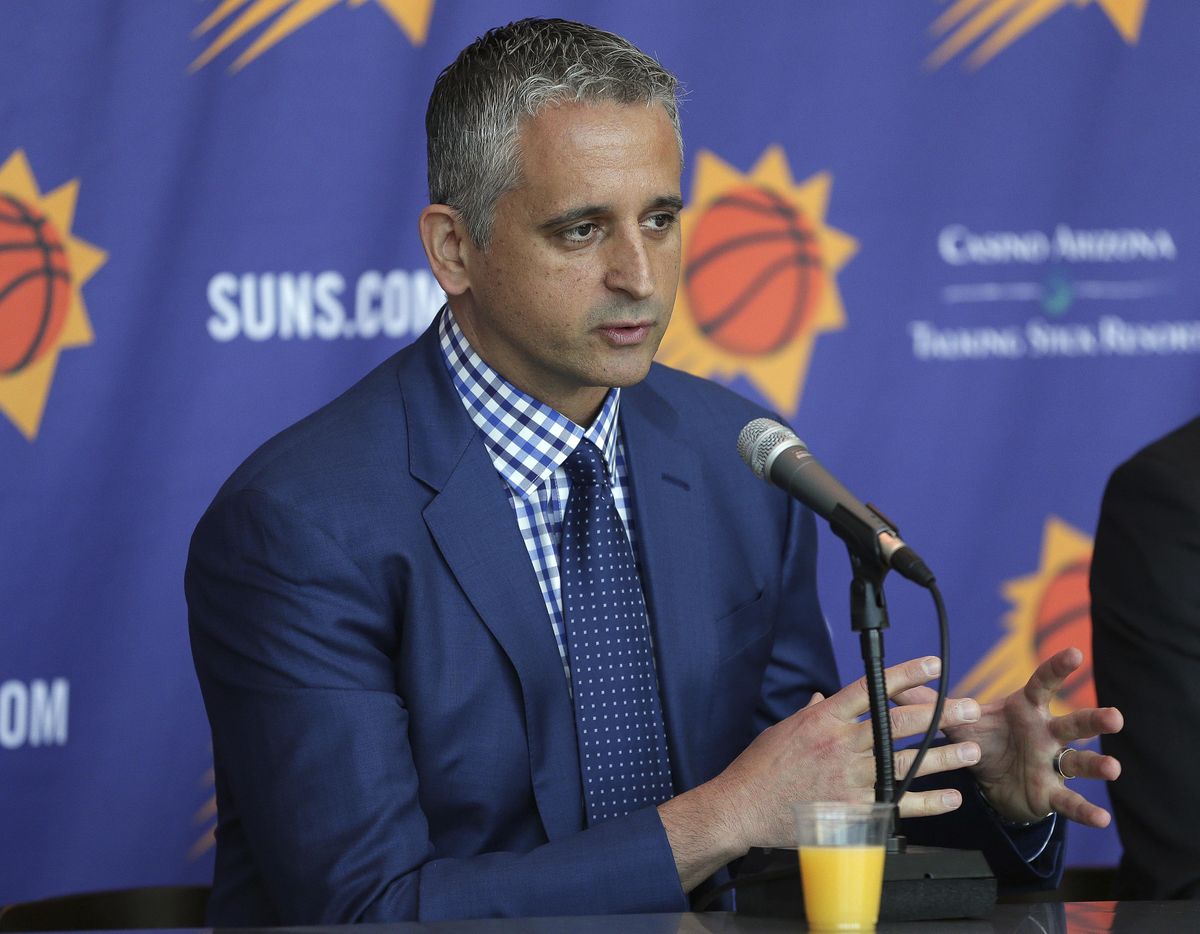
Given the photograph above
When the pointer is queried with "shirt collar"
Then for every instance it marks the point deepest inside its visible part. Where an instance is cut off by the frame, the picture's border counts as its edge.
(526, 439)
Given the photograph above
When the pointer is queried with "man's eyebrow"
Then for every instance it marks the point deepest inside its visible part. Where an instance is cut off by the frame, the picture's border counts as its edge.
(669, 202)
(583, 212)
(573, 216)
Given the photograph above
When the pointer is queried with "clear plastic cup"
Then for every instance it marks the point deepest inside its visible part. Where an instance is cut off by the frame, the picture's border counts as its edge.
(842, 847)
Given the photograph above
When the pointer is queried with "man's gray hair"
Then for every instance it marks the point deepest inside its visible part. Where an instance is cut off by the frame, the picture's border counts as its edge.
(511, 73)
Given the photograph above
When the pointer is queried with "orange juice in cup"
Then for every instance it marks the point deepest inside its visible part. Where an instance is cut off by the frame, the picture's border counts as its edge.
(841, 862)
(842, 885)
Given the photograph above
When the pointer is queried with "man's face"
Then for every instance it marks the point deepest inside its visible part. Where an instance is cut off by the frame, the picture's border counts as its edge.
(575, 289)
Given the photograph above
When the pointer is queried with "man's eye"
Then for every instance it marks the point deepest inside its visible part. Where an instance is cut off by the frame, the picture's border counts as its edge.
(580, 233)
(661, 221)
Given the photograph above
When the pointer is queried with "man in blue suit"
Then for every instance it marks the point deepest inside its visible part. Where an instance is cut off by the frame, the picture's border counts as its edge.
(376, 597)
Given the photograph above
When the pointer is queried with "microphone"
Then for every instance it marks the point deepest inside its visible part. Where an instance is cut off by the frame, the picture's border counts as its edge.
(776, 455)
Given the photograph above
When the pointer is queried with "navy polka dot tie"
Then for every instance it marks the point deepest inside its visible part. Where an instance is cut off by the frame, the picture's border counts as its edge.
(618, 717)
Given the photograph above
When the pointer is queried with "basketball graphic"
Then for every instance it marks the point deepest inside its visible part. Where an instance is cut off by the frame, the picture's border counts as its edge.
(43, 267)
(1063, 618)
(752, 271)
(759, 276)
(34, 285)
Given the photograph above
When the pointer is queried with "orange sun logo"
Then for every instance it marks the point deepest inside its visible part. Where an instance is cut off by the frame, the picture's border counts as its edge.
(42, 268)
(757, 283)
(1051, 610)
(412, 16)
(1003, 22)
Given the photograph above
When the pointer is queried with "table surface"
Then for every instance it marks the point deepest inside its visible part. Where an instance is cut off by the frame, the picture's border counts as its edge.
(1039, 918)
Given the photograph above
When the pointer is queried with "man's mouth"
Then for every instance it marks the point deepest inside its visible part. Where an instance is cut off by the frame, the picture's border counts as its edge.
(626, 333)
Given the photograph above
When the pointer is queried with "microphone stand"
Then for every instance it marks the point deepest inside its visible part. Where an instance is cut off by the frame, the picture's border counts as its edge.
(869, 618)
(920, 883)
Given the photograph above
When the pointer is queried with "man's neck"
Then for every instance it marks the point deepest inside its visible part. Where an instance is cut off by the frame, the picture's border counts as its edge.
(581, 405)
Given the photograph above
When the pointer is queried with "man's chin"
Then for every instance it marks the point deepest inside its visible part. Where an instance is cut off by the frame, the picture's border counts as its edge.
(627, 364)
(629, 373)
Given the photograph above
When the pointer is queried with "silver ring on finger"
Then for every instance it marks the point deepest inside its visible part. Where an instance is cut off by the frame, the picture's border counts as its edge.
(1058, 762)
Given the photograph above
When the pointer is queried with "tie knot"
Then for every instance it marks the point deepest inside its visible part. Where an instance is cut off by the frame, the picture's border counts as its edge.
(585, 465)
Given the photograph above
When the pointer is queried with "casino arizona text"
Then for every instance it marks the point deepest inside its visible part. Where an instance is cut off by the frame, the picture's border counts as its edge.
(960, 246)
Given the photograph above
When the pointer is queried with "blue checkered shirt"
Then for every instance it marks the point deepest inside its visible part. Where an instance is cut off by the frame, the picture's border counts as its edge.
(528, 442)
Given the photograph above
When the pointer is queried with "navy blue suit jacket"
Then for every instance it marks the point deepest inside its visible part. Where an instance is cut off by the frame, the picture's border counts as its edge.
(1145, 581)
(392, 732)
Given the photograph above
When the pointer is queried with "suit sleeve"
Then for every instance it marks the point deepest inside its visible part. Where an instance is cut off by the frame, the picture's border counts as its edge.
(1016, 855)
(293, 647)
(1146, 648)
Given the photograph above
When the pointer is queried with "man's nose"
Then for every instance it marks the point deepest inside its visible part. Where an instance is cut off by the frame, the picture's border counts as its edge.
(629, 268)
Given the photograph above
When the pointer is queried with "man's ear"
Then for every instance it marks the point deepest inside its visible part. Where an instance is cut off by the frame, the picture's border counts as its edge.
(443, 235)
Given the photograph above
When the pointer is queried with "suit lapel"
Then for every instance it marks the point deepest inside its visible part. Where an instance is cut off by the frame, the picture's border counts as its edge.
(669, 496)
(474, 526)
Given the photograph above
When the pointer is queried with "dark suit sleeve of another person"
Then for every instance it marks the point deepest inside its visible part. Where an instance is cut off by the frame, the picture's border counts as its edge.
(1146, 645)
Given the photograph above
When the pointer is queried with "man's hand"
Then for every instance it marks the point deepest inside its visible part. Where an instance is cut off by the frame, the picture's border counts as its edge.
(1019, 737)
(824, 753)
(820, 753)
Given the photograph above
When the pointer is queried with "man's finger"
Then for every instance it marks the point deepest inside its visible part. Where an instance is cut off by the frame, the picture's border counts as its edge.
(852, 701)
(917, 695)
(1083, 763)
(914, 720)
(911, 674)
(910, 721)
(1078, 808)
(1049, 676)
(938, 759)
(929, 803)
(1086, 723)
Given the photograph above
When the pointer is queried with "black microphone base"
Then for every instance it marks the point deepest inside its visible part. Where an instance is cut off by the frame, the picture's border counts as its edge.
(923, 883)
